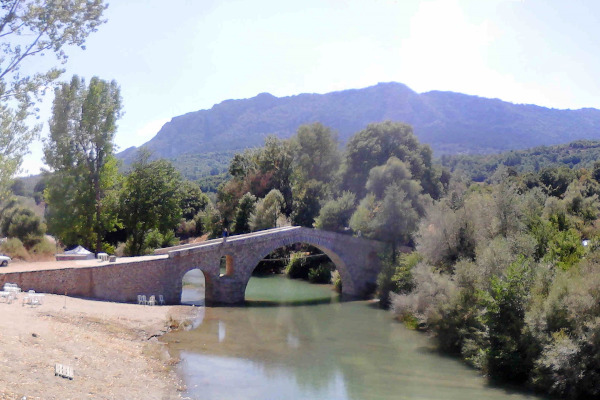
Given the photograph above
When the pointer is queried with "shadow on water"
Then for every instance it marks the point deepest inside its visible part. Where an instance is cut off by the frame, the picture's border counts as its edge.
(292, 303)
(197, 303)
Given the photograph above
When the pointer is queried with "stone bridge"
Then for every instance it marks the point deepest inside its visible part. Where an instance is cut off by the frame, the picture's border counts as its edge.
(355, 258)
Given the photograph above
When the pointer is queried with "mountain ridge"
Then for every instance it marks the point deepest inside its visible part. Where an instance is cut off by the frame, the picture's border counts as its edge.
(451, 122)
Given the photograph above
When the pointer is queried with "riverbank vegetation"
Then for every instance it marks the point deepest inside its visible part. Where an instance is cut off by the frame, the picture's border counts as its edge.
(508, 278)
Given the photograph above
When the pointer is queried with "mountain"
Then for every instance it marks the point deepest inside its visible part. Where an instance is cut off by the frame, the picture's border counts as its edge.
(452, 123)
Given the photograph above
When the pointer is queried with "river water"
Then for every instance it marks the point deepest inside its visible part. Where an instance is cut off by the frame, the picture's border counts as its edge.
(295, 340)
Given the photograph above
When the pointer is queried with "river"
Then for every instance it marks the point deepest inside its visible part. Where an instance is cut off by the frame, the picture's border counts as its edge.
(294, 340)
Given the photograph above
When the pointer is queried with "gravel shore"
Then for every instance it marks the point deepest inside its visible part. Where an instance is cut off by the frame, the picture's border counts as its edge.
(112, 348)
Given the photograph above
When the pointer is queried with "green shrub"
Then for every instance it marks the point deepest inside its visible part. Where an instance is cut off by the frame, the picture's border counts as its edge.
(169, 239)
(44, 248)
(296, 268)
(156, 240)
(321, 274)
(108, 248)
(21, 222)
(337, 281)
(396, 277)
(186, 229)
(15, 249)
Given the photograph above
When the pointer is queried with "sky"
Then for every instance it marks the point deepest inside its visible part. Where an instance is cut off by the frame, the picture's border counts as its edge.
(179, 56)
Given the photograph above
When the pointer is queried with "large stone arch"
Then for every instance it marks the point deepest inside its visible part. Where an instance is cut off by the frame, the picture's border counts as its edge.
(248, 266)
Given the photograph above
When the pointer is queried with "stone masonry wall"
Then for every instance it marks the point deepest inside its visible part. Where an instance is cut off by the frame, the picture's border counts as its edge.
(113, 282)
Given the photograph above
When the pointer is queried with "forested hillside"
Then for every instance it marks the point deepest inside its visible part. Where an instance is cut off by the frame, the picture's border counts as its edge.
(451, 123)
(478, 167)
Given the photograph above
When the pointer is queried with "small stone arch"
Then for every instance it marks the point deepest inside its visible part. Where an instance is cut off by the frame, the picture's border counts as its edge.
(208, 282)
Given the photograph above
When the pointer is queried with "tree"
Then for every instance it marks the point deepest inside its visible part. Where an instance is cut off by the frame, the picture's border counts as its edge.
(258, 172)
(275, 161)
(335, 214)
(17, 221)
(267, 211)
(396, 219)
(316, 153)
(504, 316)
(80, 151)
(393, 171)
(192, 200)
(307, 202)
(374, 145)
(396, 172)
(38, 190)
(362, 218)
(246, 207)
(28, 30)
(150, 200)
(18, 187)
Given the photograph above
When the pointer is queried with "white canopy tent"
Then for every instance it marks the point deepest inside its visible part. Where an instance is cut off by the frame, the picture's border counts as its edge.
(78, 253)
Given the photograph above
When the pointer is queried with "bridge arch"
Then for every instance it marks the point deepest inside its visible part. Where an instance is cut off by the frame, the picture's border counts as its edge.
(209, 281)
(194, 287)
(251, 263)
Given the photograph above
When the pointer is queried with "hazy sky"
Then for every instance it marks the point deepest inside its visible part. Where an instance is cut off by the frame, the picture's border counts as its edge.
(177, 56)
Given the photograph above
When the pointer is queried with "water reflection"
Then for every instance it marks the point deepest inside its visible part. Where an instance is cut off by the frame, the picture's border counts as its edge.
(193, 292)
(324, 351)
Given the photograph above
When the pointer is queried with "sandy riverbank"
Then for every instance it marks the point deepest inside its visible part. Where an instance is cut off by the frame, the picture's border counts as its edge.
(112, 348)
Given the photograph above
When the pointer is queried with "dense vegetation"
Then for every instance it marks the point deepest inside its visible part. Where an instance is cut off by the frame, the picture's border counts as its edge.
(29, 31)
(499, 271)
(578, 154)
(502, 277)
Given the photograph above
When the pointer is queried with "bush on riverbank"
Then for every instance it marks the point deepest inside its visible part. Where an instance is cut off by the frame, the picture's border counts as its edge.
(396, 277)
(320, 274)
(336, 279)
(296, 267)
(316, 268)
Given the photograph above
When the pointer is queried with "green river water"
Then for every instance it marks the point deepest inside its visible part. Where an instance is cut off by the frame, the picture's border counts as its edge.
(294, 340)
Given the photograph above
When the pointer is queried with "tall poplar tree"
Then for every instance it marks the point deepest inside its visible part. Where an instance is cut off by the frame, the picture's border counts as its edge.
(81, 193)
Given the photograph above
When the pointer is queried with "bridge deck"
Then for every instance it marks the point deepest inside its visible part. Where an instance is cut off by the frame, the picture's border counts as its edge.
(230, 239)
